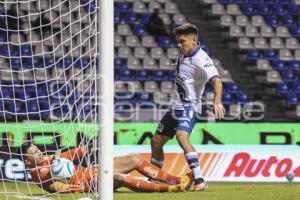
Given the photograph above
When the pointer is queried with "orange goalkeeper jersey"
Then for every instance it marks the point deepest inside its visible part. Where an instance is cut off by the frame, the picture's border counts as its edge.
(83, 176)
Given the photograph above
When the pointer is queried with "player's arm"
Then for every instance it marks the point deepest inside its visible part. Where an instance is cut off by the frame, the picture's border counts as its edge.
(218, 88)
(63, 188)
(73, 154)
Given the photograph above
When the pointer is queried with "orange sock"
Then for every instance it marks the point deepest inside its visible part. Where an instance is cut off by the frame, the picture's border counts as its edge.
(139, 185)
(149, 170)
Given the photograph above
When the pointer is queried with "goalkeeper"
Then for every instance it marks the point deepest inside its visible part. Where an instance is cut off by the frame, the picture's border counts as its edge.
(84, 179)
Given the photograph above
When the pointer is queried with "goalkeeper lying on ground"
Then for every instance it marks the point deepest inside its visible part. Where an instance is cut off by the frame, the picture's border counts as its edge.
(84, 179)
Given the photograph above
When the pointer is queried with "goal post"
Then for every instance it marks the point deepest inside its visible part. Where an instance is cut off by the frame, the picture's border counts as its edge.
(106, 26)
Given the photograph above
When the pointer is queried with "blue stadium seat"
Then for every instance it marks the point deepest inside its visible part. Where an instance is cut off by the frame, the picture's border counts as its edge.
(32, 106)
(165, 42)
(242, 98)
(118, 63)
(82, 63)
(130, 18)
(65, 63)
(240, 2)
(254, 1)
(125, 75)
(286, 2)
(295, 30)
(253, 55)
(15, 63)
(264, 10)
(232, 88)
(292, 99)
(282, 89)
(296, 87)
(117, 19)
(269, 54)
(248, 9)
(272, 21)
(288, 76)
(278, 9)
(279, 65)
(294, 65)
(142, 75)
(227, 99)
(158, 75)
(139, 30)
(171, 75)
(293, 9)
(122, 7)
(144, 18)
(270, 1)
(225, 1)
(287, 20)
(25, 50)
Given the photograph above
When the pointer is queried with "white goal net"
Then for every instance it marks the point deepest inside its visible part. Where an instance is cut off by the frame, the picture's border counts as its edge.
(48, 90)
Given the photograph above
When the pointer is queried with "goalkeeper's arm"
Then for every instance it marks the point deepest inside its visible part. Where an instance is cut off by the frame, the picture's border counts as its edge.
(76, 153)
(63, 188)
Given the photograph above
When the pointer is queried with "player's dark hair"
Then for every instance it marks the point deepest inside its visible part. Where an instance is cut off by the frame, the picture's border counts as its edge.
(186, 29)
(24, 147)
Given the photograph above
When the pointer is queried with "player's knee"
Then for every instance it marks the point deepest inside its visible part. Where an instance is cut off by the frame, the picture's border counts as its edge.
(119, 177)
(134, 158)
(182, 137)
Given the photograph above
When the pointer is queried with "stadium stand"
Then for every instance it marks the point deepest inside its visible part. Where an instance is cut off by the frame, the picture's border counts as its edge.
(142, 58)
(263, 35)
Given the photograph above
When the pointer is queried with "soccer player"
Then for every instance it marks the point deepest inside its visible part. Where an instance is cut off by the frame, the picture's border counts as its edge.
(194, 69)
(84, 179)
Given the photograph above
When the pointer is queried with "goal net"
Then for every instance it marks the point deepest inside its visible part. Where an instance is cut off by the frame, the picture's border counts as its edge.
(48, 90)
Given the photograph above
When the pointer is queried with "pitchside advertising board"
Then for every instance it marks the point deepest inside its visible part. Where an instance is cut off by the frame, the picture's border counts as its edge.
(238, 163)
(215, 133)
(71, 134)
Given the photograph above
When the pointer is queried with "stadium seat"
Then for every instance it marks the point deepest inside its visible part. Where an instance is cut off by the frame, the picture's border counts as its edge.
(287, 21)
(242, 20)
(292, 99)
(267, 32)
(288, 76)
(242, 98)
(142, 75)
(227, 99)
(279, 65)
(232, 88)
(141, 52)
(158, 75)
(248, 9)
(282, 89)
(122, 7)
(295, 31)
(296, 87)
(294, 65)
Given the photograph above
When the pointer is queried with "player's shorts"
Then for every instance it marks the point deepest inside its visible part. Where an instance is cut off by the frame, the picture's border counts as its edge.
(174, 120)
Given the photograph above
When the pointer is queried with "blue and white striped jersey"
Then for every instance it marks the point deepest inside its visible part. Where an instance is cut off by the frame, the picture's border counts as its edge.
(193, 72)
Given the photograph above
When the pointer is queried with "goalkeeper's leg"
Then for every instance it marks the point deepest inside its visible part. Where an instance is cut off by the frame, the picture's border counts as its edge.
(140, 185)
(126, 164)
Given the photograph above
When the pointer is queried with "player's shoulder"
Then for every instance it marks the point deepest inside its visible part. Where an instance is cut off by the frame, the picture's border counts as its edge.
(201, 58)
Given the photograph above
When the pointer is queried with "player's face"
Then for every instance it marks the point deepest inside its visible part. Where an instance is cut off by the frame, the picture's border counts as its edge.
(186, 43)
(35, 156)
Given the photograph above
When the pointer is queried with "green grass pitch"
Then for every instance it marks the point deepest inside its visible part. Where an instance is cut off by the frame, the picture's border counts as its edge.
(216, 191)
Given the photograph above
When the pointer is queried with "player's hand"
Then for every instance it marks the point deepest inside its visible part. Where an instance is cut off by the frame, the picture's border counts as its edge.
(219, 111)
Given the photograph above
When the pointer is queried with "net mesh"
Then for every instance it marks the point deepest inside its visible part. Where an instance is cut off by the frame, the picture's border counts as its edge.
(48, 51)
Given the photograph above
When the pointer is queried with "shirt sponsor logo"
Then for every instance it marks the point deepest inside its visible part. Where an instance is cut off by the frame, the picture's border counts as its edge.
(185, 124)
